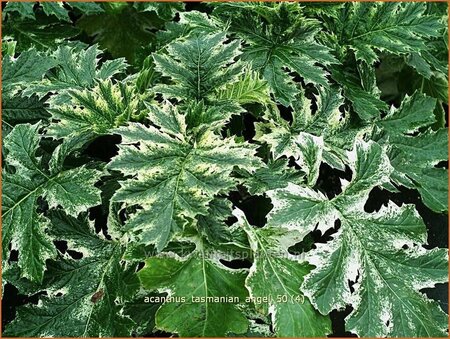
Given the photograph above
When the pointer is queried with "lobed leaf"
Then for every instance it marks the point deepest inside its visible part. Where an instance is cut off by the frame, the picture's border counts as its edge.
(367, 250)
(23, 225)
(83, 297)
(201, 280)
(175, 176)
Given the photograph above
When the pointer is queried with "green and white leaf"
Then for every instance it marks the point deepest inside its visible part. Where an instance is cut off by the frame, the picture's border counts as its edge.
(165, 10)
(45, 34)
(271, 50)
(84, 298)
(277, 275)
(57, 9)
(24, 9)
(17, 74)
(197, 66)
(98, 110)
(29, 66)
(77, 68)
(175, 175)
(398, 28)
(414, 158)
(312, 137)
(248, 89)
(24, 227)
(304, 209)
(360, 88)
(277, 174)
(367, 250)
(212, 225)
(87, 8)
(199, 115)
(190, 23)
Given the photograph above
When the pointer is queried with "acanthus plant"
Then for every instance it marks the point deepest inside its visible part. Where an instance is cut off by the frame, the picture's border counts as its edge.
(264, 153)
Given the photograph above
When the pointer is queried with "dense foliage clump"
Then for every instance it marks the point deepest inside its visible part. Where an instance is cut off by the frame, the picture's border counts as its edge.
(224, 169)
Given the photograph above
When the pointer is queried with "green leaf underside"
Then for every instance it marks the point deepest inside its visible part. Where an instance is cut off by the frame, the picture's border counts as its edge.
(122, 30)
(199, 279)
